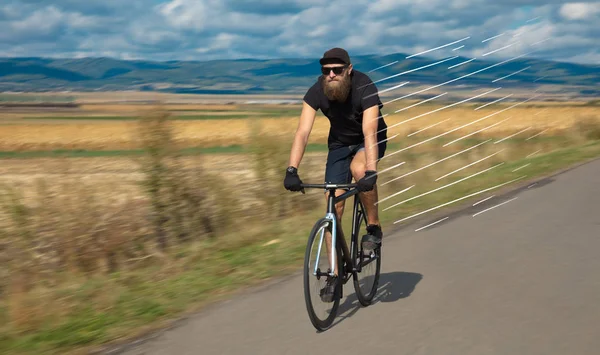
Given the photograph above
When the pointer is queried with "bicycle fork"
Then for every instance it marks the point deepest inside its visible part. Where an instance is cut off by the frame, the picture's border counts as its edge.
(331, 218)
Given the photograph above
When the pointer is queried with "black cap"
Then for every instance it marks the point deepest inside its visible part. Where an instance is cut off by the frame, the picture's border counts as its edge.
(335, 56)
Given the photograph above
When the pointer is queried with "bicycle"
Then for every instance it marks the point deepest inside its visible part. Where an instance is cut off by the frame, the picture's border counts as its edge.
(352, 262)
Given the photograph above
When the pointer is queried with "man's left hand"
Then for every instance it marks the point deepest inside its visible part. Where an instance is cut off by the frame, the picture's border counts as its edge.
(368, 181)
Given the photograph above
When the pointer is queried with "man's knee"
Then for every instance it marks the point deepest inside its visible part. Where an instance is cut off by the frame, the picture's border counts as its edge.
(358, 167)
(358, 171)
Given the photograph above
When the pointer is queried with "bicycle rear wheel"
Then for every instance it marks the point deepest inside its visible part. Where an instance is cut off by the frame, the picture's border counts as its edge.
(368, 265)
(321, 313)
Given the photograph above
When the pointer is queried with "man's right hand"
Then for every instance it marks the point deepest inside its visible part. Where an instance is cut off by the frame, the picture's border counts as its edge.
(292, 181)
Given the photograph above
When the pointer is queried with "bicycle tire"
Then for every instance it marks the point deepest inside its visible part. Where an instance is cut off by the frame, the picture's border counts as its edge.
(364, 298)
(314, 237)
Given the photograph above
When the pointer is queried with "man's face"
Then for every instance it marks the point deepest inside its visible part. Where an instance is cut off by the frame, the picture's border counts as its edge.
(336, 81)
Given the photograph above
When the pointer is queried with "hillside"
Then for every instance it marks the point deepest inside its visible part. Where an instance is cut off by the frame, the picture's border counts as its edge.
(276, 76)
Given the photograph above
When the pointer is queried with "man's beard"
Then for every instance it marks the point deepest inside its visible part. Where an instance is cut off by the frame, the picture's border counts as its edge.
(338, 90)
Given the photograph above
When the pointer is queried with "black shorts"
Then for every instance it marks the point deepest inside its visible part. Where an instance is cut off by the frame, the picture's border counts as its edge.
(337, 169)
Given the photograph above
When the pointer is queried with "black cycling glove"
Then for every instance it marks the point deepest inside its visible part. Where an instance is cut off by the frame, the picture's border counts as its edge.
(292, 181)
(368, 181)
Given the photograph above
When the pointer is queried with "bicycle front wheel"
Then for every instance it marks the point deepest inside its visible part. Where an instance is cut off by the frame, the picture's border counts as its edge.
(316, 268)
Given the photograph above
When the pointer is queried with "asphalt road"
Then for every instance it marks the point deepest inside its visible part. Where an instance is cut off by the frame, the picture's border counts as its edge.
(522, 278)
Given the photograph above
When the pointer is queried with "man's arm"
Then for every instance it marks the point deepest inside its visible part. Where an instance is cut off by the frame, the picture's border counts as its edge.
(369, 126)
(307, 118)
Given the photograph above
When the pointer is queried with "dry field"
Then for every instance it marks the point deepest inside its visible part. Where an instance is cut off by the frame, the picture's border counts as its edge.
(19, 135)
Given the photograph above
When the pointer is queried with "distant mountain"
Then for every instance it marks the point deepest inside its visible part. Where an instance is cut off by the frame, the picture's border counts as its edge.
(280, 76)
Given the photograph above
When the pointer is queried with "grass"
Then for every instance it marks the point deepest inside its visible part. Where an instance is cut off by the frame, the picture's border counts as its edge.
(139, 299)
(312, 147)
(86, 262)
(176, 118)
(82, 153)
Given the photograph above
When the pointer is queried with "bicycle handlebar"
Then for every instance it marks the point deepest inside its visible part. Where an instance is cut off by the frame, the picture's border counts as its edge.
(329, 186)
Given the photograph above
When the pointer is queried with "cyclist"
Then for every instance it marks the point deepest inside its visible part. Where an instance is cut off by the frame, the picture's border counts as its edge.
(349, 99)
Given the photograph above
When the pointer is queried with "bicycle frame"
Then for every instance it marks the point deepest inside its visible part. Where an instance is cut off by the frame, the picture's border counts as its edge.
(331, 216)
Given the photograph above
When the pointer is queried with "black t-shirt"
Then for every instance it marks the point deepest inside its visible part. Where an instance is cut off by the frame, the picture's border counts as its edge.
(346, 117)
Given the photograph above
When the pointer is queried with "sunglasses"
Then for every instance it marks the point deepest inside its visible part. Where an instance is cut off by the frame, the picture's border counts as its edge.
(336, 70)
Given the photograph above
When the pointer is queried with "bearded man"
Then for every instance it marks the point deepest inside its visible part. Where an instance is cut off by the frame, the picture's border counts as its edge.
(356, 142)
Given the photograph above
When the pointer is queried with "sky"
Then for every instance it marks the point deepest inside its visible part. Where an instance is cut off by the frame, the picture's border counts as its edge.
(232, 29)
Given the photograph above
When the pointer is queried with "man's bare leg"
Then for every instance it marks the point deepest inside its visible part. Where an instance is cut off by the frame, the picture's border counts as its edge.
(368, 198)
(339, 207)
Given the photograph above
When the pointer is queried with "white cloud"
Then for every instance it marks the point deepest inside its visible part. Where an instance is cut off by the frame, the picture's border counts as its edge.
(44, 21)
(181, 13)
(579, 10)
(213, 16)
(11, 11)
(385, 6)
(103, 43)
(591, 57)
(80, 21)
(518, 41)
